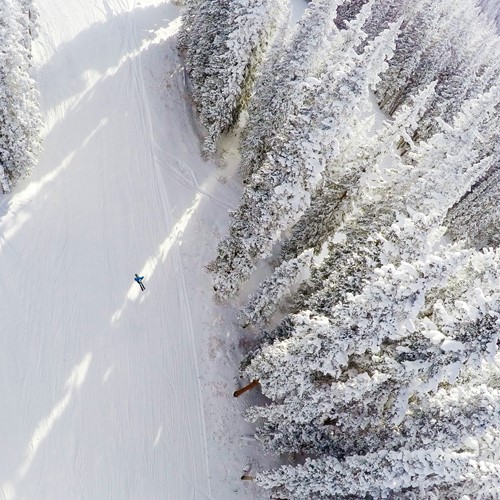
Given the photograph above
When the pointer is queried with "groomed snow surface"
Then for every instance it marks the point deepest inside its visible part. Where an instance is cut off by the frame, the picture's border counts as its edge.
(107, 392)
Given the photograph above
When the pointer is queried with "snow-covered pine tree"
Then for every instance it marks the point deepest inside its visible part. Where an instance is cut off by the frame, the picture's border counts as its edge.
(280, 191)
(461, 153)
(283, 86)
(317, 404)
(419, 29)
(265, 301)
(462, 141)
(443, 171)
(458, 79)
(385, 13)
(224, 42)
(279, 89)
(306, 246)
(358, 154)
(424, 473)
(455, 417)
(476, 217)
(188, 19)
(462, 330)
(19, 113)
(347, 11)
(438, 42)
(386, 309)
(378, 356)
(492, 9)
(29, 21)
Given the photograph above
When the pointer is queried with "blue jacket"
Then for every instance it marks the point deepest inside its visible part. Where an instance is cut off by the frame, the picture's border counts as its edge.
(139, 278)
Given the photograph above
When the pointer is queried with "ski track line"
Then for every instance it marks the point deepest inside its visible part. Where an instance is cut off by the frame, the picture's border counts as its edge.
(186, 175)
(155, 191)
(180, 273)
(149, 131)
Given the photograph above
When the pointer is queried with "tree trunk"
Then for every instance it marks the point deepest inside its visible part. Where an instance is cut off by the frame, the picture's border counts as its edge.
(251, 385)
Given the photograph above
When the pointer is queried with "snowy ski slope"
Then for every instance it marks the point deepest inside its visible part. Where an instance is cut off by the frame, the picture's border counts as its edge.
(100, 387)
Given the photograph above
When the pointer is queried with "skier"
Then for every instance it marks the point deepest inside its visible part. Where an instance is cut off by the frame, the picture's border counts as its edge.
(139, 280)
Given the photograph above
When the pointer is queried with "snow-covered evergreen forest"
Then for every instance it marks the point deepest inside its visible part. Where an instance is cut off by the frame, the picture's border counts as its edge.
(19, 113)
(376, 328)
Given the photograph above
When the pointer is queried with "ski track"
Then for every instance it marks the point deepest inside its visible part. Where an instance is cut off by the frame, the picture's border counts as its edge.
(100, 387)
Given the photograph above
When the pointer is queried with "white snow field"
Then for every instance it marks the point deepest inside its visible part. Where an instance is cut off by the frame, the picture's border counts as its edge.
(107, 392)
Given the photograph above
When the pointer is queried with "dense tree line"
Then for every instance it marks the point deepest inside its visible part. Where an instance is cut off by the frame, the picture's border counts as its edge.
(224, 41)
(19, 112)
(383, 372)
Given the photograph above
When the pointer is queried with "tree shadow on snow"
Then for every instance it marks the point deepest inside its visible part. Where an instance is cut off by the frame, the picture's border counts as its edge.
(95, 50)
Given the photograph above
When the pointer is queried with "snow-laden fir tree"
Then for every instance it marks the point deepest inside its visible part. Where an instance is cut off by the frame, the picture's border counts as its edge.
(224, 42)
(19, 112)
(385, 13)
(456, 151)
(430, 472)
(439, 42)
(280, 87)
(459, 418)
(450, 42)
(443, 171)
(428, 390)
(396, 293)
(280, 191)
(420, 28)
(455, 417)
(29, 21)
(189, 14)
(476, 217)
(360, 151)
(369, 387)
(273, 290)
(461, 154)
(393, 331)
(458, 79)
(284, 84)
(359, 154)
(492, 9)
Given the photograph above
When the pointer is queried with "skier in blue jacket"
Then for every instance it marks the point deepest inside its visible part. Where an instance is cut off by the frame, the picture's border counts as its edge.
(139, 280)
